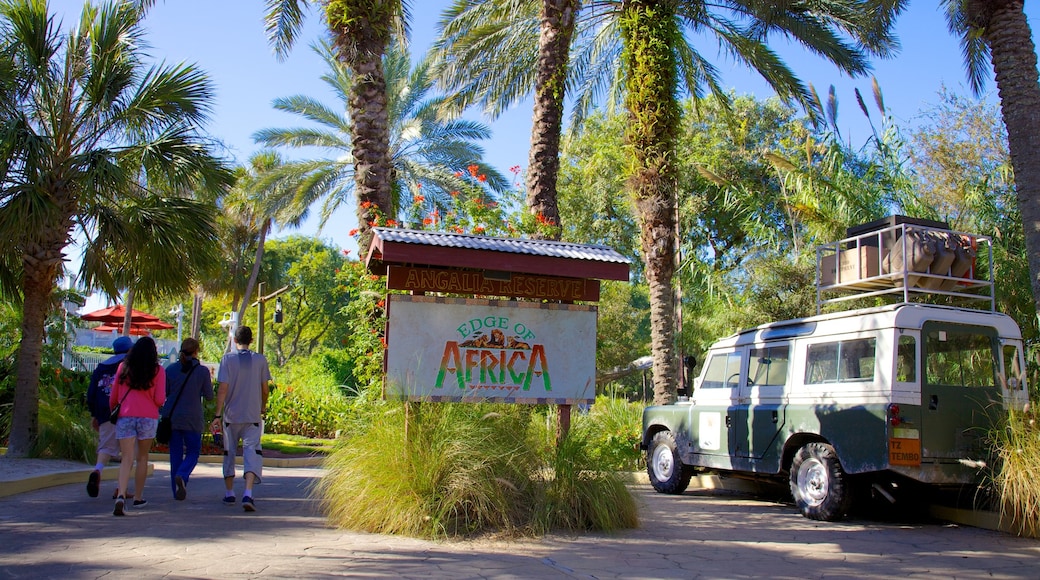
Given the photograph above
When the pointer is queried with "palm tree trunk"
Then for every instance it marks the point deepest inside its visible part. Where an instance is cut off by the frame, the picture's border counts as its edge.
(196, 316)
(361, 31)
(557, 29)
(24, 416)
(649, 32)
(1014, 61)
(258, 257)
(40, 273)
(128, 315)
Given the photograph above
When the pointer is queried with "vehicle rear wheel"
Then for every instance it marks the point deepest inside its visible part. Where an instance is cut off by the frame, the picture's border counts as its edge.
(663, 465)
(818, 483)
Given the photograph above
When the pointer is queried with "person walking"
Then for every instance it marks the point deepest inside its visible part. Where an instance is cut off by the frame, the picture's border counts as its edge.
(98, 392)
(139, 391)
(186, 386)
(243, 384)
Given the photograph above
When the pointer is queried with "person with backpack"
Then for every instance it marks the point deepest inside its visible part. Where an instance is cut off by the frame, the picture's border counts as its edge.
(97, 403)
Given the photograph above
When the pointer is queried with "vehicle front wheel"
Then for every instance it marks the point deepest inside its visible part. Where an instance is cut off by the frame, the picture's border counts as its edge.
(666, 471)
(818, 483)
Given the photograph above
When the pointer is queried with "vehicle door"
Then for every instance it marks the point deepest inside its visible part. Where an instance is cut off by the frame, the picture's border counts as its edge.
(760, 408)
(713, 399)
(961, 391)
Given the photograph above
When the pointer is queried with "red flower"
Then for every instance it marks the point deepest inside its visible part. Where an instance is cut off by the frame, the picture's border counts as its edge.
(427, 221)
(353, 233)
(454, 194)
(346, 252)
(473, 169)
(478, 230)
(391, 223)
(458, 174)
(482, 178)
(366, 204)
(457, 229)
(514, 169)
(418, 199)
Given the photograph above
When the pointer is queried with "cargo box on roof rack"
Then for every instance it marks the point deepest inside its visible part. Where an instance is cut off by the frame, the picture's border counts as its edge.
(904, 259)
(892, 221)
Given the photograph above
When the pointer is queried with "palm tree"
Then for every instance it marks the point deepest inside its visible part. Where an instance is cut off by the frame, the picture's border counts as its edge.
(361, 30)
(470, 71)
(83, 123)
(426, 149)
(997, 31)
(140, 246)
(617, 49)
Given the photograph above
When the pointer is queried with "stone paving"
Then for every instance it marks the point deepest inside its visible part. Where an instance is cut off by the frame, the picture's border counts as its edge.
(59, 532)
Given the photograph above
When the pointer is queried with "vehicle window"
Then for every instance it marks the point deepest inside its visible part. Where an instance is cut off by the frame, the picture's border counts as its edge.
(906, 360)
(846, 360)
(1012, 368)
(768, 366)
(960, 359)
(723, 371)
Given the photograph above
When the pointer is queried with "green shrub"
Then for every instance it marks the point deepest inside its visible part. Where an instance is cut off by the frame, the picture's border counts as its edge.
(445, 469)
(1017, 445)
(310, 411)
(309, 399)
(613, 427)
(65, 431)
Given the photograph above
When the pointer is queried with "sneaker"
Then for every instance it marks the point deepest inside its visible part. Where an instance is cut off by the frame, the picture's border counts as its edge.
(247, 504)
(140, 503)
(93, 483)
(120, 503)
(229, 500)
(181, 492)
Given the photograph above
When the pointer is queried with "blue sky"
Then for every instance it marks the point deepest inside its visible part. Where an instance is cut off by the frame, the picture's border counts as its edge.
(226, 39)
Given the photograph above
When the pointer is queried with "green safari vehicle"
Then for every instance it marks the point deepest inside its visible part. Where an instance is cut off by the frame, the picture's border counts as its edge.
(882, 396)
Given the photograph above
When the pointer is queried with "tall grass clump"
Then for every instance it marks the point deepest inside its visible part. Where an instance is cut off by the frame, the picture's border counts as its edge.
(612, 427)
(1017, 445)
(449, 469)
(579, 490)
(459, 469)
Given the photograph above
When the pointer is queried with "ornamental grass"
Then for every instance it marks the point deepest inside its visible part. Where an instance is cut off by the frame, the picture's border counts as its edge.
(1017, 476)
(436, 470)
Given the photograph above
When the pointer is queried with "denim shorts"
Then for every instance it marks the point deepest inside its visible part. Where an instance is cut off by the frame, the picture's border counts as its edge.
(137, 427)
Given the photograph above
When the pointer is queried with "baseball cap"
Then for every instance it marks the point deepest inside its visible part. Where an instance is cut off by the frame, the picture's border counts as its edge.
(122, 344)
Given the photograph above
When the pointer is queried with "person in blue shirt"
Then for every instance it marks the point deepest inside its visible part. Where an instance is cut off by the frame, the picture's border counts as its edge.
(186, 385)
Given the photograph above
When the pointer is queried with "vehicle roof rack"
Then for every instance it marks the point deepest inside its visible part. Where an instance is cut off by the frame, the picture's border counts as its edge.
(903, 259)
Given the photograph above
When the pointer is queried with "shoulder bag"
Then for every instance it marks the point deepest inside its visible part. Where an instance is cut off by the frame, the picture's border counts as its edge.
(165, 429)
(113, 416)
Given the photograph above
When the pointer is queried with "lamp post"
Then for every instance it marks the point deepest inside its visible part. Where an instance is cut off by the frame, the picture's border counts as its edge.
(179, 313)
(260, 312)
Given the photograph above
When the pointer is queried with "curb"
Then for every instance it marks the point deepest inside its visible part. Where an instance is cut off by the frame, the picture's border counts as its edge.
(111, 473)
(60, 478)
(307, 461)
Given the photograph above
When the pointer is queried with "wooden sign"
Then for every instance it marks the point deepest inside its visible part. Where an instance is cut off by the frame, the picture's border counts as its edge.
(478, 283)
(506, 351)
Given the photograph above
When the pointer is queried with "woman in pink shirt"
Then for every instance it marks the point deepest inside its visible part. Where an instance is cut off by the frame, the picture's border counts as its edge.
(139, 390)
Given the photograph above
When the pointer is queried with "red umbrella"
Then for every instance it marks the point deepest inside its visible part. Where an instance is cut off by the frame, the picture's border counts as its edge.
(115, 315)
(134, 330)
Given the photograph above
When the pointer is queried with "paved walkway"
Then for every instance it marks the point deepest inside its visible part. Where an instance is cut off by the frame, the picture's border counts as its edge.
(59, 532)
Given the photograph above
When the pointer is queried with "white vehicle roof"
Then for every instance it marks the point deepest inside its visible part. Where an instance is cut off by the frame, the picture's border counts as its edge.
(902, 315)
